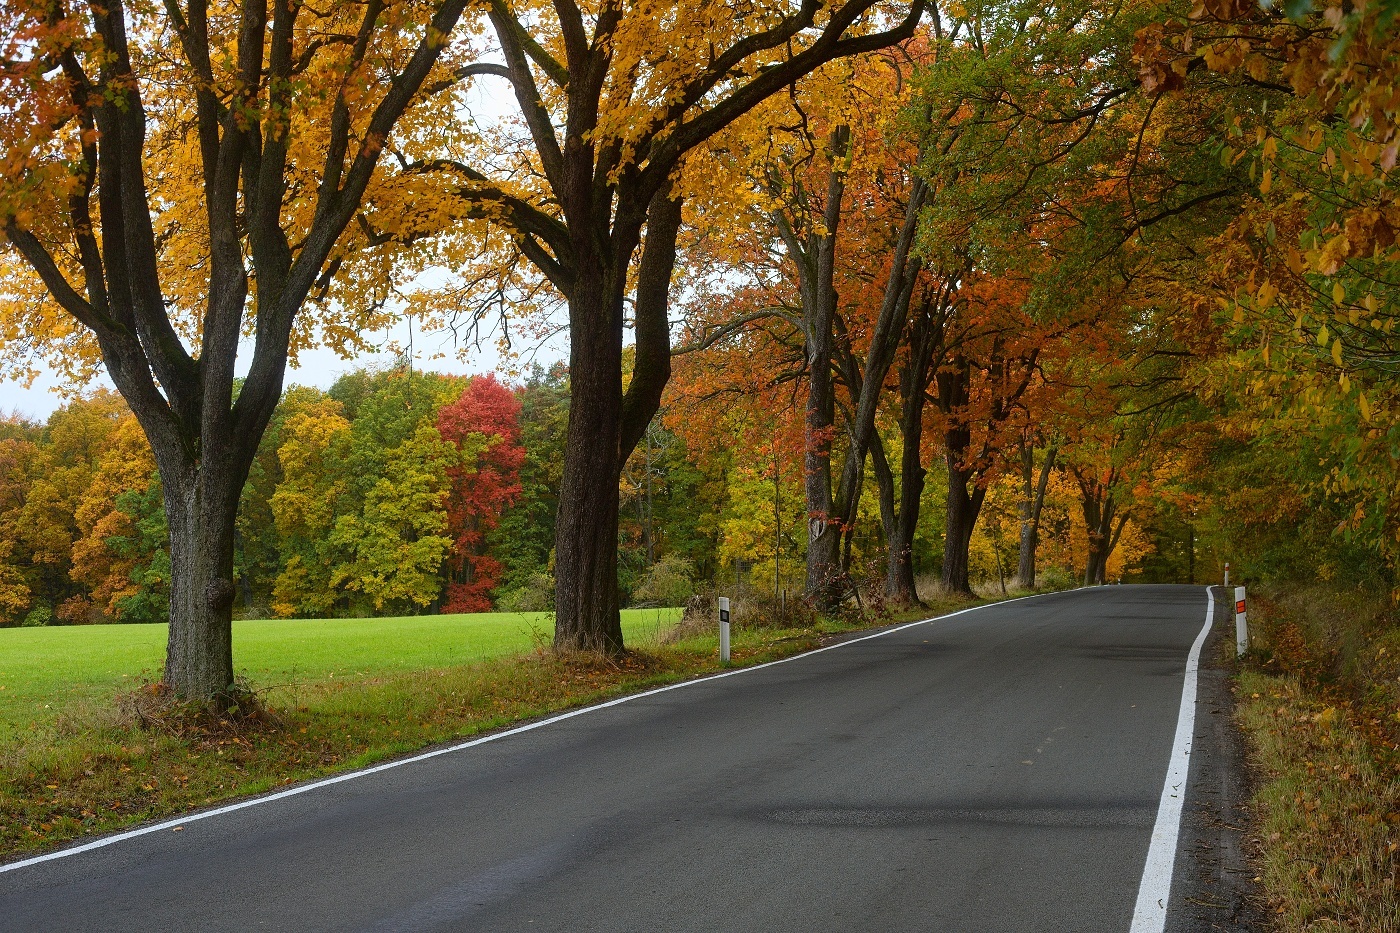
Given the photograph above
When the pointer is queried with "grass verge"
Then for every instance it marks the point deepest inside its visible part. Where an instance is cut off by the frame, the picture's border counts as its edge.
(95, 768)
(44, 671)
(1319, 699)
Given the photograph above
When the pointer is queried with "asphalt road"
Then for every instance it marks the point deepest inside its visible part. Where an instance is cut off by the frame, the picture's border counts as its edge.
(995, 771)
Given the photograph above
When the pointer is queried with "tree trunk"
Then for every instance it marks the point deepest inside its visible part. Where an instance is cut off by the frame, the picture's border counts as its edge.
(924, 349)
(587, 611)
(648, 541)
(1095, 566)
(867, 379)
(899, 525)
(604, 425)
(961, 506)
(1032, 503)
(199, 653)
(201, 509)
(823, 535)
(816, 258)
(1102, 522)
(962, 510)
(902, 522)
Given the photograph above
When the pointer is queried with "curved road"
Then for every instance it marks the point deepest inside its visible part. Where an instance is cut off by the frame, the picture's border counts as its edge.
(998, 770)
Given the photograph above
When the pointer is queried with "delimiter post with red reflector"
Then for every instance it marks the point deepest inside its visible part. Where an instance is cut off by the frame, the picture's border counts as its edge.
(1241, 628)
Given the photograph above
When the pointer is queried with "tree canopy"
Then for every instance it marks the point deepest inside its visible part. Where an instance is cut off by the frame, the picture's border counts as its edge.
(857, 296)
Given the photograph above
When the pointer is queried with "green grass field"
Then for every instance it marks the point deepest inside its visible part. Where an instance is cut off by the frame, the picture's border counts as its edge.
(43, 670)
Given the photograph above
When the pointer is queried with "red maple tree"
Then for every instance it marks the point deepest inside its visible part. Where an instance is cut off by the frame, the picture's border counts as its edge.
(486, 417)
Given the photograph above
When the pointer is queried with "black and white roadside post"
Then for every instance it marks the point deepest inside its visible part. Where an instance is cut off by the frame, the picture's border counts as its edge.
(724, 630)
(1241, 626)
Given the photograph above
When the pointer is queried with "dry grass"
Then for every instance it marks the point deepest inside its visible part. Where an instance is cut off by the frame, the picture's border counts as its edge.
(1320, 701)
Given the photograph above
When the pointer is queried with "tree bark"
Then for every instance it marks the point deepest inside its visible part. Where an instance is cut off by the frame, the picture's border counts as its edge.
(815, 255)
(961, 510)
(1031, 506)
(604, 425)
(867, 381)
(832, 507)
(199, 656)
(587, 612)
(925, 339)
(900, 523)
(961, 506)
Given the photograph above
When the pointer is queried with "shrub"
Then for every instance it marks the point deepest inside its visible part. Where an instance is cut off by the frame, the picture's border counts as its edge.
(536, 594)
(669, 582)
(79, 610)
(41, 614)
(1054, 578)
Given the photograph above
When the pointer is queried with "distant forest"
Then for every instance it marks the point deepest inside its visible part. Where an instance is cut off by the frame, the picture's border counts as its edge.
(401, 492)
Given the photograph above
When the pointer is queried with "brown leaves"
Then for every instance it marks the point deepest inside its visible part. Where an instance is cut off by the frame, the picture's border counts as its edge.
(1161, 67)
(1221, 10)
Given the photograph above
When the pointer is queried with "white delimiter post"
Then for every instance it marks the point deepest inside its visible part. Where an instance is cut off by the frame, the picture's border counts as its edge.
(724, 630)
(1241, 628)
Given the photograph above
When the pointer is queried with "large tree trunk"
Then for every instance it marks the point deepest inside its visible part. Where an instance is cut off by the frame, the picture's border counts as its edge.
(199, 656)
(900, 586)
(961, 505)
(203, 464)
(832, 506)
(867, 379)
(900, 523)
(1031, 506)
(604, 425)
(587, 613)
(902, 520)
(823, 535)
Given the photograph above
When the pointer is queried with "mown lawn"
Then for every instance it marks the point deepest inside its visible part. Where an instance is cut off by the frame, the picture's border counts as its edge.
(45, 670)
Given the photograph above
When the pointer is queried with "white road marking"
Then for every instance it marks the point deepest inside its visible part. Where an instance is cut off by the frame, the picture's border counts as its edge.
(187, 819)
(1150, 914)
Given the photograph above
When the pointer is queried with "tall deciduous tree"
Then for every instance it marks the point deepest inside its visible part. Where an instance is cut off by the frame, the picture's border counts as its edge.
(484, 424)
(247, 131)
(614, 98)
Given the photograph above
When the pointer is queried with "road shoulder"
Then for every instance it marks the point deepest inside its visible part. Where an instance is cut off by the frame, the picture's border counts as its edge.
(1214, 888)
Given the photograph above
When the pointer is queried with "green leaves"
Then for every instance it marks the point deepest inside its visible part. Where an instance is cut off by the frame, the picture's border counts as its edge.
(361, 507)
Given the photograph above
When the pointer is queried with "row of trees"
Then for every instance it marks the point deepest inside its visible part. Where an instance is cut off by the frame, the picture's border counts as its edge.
(1151, 248)
(400, 492)
(998, 238)
(374, 497)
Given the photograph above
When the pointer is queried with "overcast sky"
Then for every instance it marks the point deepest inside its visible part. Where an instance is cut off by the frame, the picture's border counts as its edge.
(319, 367)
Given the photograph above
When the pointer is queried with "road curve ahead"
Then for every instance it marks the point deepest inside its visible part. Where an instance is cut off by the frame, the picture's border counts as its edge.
(999, 770)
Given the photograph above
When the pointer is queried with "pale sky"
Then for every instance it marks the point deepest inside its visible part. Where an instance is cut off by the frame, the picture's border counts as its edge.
(319, 367)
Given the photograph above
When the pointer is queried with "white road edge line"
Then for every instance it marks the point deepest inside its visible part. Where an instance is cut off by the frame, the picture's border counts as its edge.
(461, 746)
(1154, 893)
